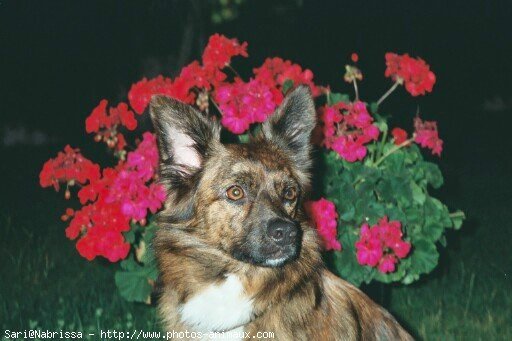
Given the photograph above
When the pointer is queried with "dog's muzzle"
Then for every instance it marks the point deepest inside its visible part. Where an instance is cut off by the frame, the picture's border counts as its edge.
(283, 232)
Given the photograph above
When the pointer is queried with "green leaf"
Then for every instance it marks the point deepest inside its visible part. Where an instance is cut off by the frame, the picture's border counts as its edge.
(347, 266)
(432, 174)
(432, 230)
(374, 107)
(414, 215)
(287, 85)
(382, 125)
(392, 276)
(443, 241)
(132, 280)
(417, 193)
(395, 213)
(368, 210)
(129, 264)
(243, 138)
(409, 278)
(335, 98)
(133, 285)
(442, 212)
(347, 213)
(424, 256)
(402, 190)
(395, 162)
(130, 236)
(385, 190)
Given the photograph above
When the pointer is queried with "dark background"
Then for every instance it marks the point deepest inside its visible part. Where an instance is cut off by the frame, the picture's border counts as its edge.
(60, 58)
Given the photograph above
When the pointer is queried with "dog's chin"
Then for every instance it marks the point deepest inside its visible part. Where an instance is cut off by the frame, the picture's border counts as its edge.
(274, 259)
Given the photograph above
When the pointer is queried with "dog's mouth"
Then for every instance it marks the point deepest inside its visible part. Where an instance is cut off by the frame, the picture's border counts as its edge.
(269, 255)
(281, 257)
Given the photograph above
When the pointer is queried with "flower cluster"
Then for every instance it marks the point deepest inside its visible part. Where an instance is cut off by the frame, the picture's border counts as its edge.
(324, 216)
(69, 167)
(100, 225)
(382, 245)
(275, 72)
(106, 125)
(347, 127)
(140, 93)
(413, 72)
(120, 195)
(245, 103)
(220, 50)
(130, 188)
(193, 77)
(427, 136)
(114, 198)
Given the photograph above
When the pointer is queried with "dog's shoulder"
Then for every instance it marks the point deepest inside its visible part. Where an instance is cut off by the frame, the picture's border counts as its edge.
(346, 302)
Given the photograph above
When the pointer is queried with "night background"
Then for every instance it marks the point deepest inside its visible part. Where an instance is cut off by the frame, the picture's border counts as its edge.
(60, 58)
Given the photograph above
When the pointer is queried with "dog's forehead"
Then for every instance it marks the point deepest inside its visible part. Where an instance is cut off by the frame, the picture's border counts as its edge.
(265, 155)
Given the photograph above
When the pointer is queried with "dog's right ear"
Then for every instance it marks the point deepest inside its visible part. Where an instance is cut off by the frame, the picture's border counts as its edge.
(185, 136)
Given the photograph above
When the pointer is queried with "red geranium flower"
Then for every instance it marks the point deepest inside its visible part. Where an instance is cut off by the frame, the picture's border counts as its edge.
(220, 50)
(427, 136)
(413, 72)
(399, 135)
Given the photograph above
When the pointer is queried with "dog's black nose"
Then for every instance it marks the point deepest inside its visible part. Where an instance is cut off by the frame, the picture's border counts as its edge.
(282, 232)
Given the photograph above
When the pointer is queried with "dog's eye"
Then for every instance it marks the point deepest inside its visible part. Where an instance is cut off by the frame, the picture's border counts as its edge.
(290, 193)
(235, 192)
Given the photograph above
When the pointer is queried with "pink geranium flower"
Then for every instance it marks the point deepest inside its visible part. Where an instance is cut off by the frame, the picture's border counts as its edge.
(323, 214)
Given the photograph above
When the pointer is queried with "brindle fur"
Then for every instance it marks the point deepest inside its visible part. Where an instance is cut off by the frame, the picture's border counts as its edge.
(199, 232)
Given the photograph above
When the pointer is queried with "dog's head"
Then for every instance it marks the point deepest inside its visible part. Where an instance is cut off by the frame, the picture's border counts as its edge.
(244, 199)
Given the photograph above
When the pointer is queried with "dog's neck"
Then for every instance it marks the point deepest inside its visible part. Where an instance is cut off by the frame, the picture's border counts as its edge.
(192, 266)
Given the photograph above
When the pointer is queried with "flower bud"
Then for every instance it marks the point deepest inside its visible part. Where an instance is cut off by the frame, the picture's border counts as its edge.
(140, 251)
(352, 73)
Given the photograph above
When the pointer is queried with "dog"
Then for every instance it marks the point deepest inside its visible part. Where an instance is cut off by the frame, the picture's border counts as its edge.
(234, 246)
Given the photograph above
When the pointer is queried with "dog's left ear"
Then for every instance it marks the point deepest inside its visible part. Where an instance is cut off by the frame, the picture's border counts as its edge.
(291, 126)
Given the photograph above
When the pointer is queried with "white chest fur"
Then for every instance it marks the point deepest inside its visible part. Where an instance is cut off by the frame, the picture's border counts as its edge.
(219, 307)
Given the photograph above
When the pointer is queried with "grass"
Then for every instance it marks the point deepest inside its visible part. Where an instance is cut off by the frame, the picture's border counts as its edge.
(45, 284)
(468, 297)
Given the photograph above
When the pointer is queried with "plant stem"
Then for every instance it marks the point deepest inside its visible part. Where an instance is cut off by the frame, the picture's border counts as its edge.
(356, 89)
(233, 70)
(382, 142)
(457, 215)
(392, 150)
(372, 155)
(389, 92)
(216, 105)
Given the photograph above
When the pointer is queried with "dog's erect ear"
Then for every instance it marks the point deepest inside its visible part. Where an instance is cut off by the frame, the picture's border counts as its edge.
(291, 125)
(184, 136)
